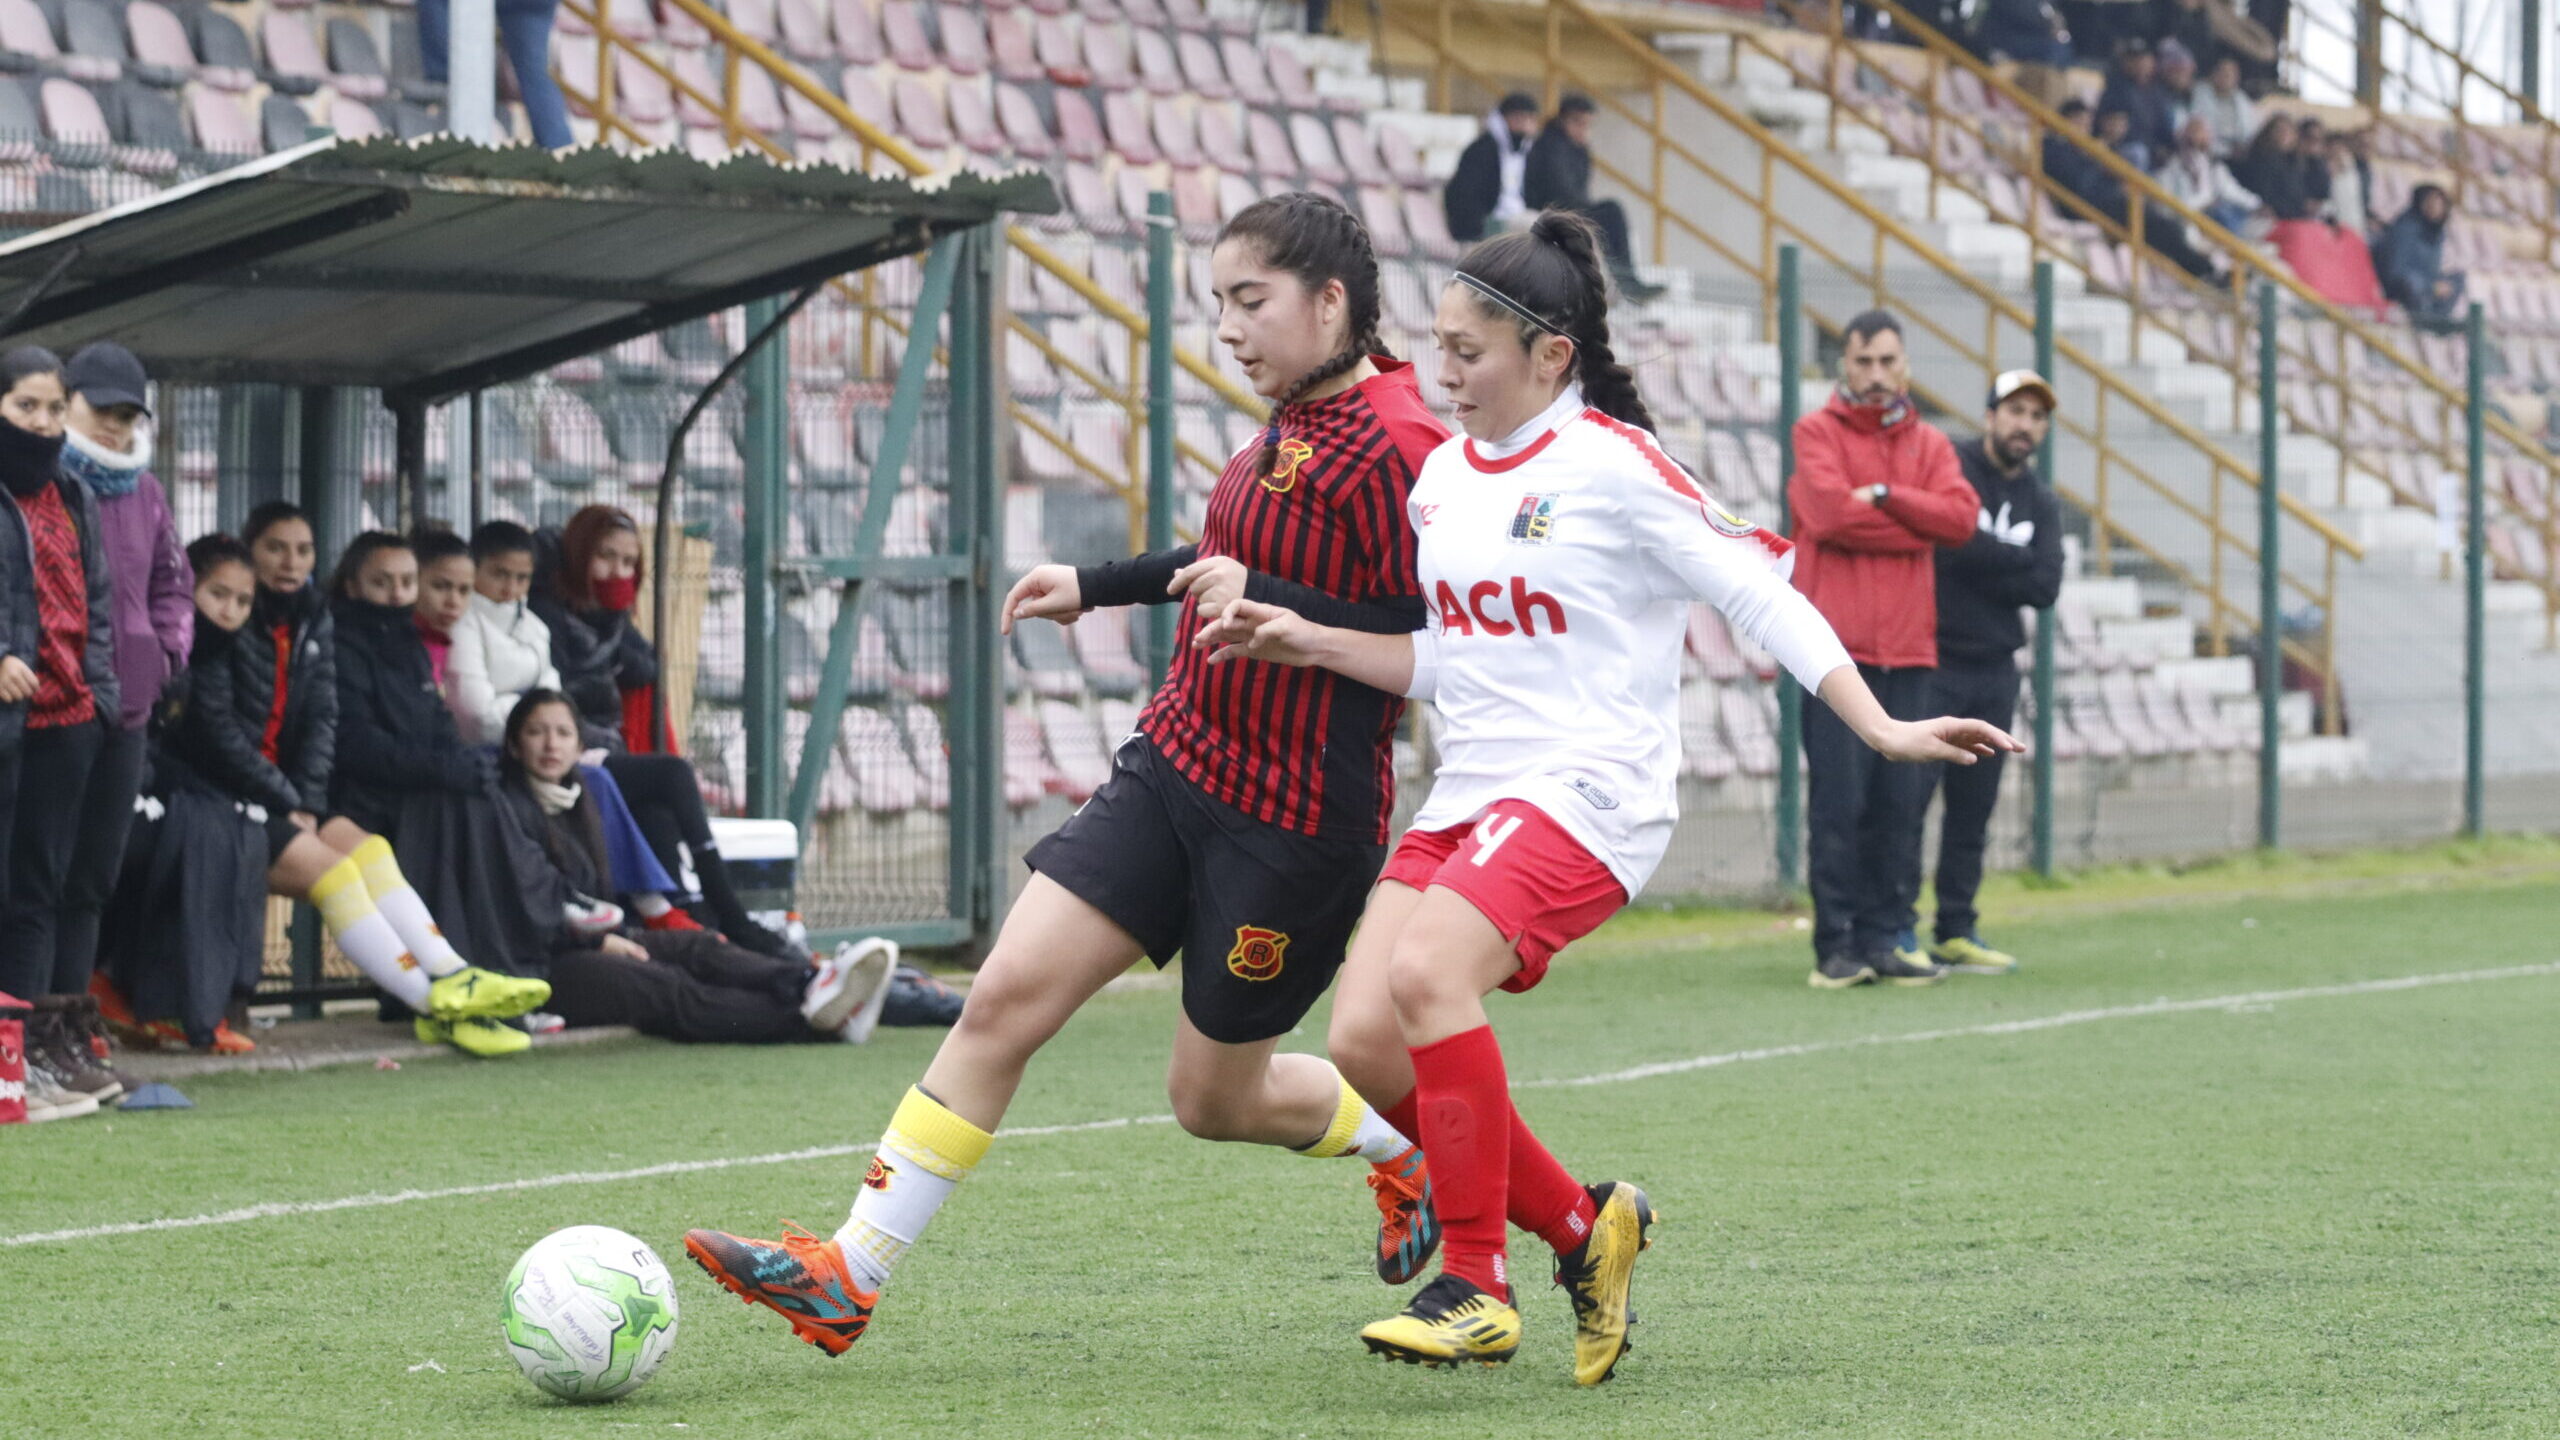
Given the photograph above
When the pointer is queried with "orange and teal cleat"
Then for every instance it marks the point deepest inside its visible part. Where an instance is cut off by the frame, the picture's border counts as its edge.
(799, 1277)
(1408, 1230)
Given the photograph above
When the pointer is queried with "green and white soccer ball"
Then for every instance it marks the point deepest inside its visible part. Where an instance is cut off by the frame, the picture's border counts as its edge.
(590, 1313)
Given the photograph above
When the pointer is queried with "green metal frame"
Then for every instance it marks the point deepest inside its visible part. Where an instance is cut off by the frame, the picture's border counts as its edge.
(1160, 283)
(2040, 828)
(2475, 573)
(1789, 820)
(768, 453)
(2270, 599)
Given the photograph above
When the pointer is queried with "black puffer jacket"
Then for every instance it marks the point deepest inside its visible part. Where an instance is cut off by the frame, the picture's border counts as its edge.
(395, 734)
(19, 628)
(216, 712)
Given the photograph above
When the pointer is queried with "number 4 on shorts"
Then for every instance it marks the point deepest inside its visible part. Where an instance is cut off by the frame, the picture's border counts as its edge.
(1490, 832)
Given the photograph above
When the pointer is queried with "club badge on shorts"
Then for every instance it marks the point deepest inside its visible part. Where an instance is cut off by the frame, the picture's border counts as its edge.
(1258, 953)
(1284, 470)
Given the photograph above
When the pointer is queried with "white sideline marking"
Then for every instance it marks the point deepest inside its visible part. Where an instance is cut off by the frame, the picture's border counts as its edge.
(2254, 1000)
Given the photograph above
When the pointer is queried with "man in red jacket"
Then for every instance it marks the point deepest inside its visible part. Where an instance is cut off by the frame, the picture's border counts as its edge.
(1876, 491)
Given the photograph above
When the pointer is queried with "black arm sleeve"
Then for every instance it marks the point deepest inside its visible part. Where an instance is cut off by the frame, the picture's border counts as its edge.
(1393, 615)
(1138, 580)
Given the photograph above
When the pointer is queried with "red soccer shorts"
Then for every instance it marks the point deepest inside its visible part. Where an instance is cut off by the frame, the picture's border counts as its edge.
(1522, 871)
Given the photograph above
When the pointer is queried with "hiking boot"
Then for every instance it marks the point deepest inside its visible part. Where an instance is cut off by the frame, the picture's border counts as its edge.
(53, 1039)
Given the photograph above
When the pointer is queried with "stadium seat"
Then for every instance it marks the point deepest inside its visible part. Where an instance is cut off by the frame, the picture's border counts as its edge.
(1189, 16)
(1313, 142)
(1080, 133)
(921, 116)
(1106, 55)
(219, 125)
(1384, 212)
(93, 43)
(1124, 124)
(1048, 666)
(1203, 75)
(294, 63)
(150, 130)
(226, 61)
(973, 120)
(1060, 52)
(1024, 132)
(1289, 79)
(75, 123)
(1176, 133)
(1746, 729)
(1430, 228)
(1028, 774)
(1710, 643)
(805, 34)
(932, 752)
(1010, 51)
(162, 54)
(1221, 142)
(1110, 665)
(1704, 754)
(1075, 746)
(355, 65)
(26, 40)
(868, 102)
(964, 40)
(902, 31)
(2120, 698)
(1402, 158)
(857, 32)
(1091, 202)
(1273, 158)
(1358, 150)
(1246, 74)
(1157, 68)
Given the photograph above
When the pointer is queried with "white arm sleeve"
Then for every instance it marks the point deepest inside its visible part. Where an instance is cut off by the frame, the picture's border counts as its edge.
(1700, 553)
(1426, 664)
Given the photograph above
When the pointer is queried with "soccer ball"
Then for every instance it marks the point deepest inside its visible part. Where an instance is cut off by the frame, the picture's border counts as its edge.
(589, 1313)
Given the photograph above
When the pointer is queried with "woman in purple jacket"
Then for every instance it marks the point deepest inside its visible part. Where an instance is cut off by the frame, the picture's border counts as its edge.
(105, 449)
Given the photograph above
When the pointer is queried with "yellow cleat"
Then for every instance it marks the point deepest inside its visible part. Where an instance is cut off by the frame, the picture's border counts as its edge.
(1971, 957)
(1598, 1276)
(1450, 1322)
(473, 992)
(475, 1036)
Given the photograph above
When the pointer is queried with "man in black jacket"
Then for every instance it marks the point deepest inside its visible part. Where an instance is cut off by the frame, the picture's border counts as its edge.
(1558, 177)
(1485, 189)
(2014, 559)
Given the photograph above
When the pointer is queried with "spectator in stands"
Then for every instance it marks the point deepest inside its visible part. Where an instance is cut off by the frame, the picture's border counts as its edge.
(1557, 176)
(2272, 168)
(2311, 152)
(444, 596)
(2177, 81)
(254, 740)
(2410, 260)
(2030, 32)
(2013, 560)
(2212, 30)
(58, 698)
(1483, 194)
(2085, 176)
(2225, 106)
(585, 596)
(501, 650)
(2190, 27)
(2350, 181)
(2134, 87)
(689, 986)
(106, 450)
(524, 36)
(2196, 178)
(1876, 490)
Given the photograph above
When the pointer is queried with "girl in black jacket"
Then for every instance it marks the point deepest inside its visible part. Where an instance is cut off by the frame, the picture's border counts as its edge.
(229, 825)
(585, 585)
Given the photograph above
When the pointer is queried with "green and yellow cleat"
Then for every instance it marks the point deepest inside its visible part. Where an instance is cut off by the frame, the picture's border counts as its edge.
(472, 992)
(1969, 956)
(475, 1035)
(1599, 1276)
(1450, 1322)
(1907, 968)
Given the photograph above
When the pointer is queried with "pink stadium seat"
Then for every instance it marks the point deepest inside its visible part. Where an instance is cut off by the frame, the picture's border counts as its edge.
(1054, 41)
(1028, 775)
(1010, 51)
(680, 29)
(1130, 185)
(1401, 156)
(1144, 14)
(1201, 72)
(631, 19)
(353, 119)
(1381, 209)
(805, 36)
(1195, 204)
(1075, 745)
(1020, 118)
(809, 121)
(1359, 152)
(1313, 141)
(868, 102)
(158, 37)
(700, 87)
(642, 93)
(1746, 730)
(1430, 227)
(964, 40)
(1289, 79)
(1187, 15)
(1124, 124)
(1272, 155)
(756, 19)
(1177, 135)
(1090, 200)
(921, 118)
(1106, 55)
(902, 30)
(973, 119)
(1108, 660)
(1245, 71)
(857, 29)
(1234, 193)
(760, 101)
(292, 53)
(1080, 135)
(72, 116)
(1158, 70)
(218, 123)
(1221, 144)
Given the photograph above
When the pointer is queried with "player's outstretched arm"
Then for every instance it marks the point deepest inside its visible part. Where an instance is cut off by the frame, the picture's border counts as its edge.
(1045, 592)
(1251, 630)
(1945, 738)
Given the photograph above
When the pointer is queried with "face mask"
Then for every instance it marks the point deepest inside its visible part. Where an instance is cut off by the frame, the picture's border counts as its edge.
(28, 461)
(619, 593)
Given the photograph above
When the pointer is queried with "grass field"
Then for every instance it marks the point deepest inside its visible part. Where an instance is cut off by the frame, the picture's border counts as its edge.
(2324, 1214)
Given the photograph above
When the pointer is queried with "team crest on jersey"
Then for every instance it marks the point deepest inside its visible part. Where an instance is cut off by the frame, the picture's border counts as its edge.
(1725, 522)
(1283, 478)
(1534, 523)
(1258, 954)
(879, 1175)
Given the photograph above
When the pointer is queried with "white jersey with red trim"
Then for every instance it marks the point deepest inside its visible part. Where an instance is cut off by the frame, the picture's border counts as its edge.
(1560, 566)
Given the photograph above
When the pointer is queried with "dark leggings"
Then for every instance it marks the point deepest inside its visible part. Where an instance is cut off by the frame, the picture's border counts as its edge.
(53, 782)
(694, 987)
(666, 802)
(105, 818)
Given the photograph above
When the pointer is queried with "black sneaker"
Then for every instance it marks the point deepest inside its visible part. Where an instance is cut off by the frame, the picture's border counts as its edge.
(1907, 968)
(1840, 972)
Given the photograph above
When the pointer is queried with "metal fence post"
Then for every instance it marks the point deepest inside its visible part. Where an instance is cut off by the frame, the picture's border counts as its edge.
(2475, 569)
(768, 386)
(1160, 281)
(2040, 832)
(2270, 601)
(976, 729)
(1790, 814)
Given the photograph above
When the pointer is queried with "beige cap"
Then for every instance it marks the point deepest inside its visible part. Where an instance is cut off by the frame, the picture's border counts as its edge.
(2018, 382)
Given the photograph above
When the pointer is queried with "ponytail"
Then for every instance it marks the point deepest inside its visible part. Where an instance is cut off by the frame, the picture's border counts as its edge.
(1549, 279)
(1317, 240)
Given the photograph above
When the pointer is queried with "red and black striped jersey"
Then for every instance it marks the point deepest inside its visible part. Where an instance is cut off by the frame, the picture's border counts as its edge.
(1306, 749)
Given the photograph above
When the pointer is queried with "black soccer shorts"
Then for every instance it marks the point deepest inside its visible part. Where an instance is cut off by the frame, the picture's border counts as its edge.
(1260, 915)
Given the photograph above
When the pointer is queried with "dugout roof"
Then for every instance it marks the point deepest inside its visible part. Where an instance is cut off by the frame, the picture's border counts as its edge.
(431, 267)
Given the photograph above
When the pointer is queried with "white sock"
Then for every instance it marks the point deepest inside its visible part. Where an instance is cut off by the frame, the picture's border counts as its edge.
(651, 905)
(401, 906)
(1357, 1129)
(353, 920)
(924, 1157)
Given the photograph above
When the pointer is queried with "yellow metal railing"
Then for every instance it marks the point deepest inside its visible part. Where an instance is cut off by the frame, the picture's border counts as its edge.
(598, 99)
(2330, 348)
(2229, 482)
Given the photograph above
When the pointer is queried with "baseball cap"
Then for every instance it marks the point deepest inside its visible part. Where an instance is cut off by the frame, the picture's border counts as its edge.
(105, 374)
(2020, 382)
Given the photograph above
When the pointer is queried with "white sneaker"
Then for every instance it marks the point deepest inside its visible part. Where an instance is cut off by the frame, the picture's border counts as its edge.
(590, 918)
(49, 1099)
(846, 994)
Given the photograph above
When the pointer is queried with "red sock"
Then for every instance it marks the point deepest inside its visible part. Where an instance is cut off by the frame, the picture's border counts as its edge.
(1406, 1115)
(1546, 1200)
(1466, 1128)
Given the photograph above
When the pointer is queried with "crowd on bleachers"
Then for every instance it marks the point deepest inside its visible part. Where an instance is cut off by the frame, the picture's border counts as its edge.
(453, 749)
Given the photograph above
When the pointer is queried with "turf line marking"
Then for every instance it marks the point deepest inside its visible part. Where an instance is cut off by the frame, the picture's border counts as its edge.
(279, 1209)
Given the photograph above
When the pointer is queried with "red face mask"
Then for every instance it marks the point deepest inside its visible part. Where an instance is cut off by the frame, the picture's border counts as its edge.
(619, 593)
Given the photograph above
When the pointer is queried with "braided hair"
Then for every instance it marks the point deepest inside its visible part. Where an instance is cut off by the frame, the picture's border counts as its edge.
(1553, 271)
(1317, 240)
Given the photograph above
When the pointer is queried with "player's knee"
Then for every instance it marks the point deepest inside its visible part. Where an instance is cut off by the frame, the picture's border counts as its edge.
(1422, 982)
(1369, 1050)
(1203, 1112)
(1003, 1012)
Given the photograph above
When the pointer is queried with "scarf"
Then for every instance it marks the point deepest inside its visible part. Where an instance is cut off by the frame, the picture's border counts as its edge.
(554, 799)
(108, 475)
(28, 461)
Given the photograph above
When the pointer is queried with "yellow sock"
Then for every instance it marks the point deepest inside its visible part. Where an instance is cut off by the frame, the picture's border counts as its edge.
(924, 1157)
(1356, 1130)
(365, 936)
(400, 905)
